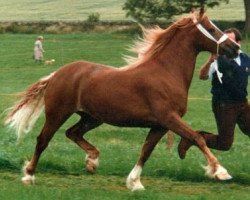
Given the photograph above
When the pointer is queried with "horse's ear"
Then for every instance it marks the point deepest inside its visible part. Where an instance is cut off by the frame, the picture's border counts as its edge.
(193, 10)
(195, 14)
(202, 11)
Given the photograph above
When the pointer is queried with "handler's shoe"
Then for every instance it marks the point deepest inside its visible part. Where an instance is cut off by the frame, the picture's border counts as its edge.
(183, 146)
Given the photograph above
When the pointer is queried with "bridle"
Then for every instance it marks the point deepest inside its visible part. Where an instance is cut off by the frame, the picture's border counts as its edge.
(223, 38)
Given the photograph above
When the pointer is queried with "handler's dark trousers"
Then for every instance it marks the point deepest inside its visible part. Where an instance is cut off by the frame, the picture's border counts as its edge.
(227, 115)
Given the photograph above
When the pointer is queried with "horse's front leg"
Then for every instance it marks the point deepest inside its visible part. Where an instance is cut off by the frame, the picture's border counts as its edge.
(213, 169)
(133, 180)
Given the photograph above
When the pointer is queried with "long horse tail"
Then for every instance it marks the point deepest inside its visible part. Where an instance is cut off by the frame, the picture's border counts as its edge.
(23, 115)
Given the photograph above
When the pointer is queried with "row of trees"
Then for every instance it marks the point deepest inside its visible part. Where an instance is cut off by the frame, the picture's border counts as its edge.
(152, 10)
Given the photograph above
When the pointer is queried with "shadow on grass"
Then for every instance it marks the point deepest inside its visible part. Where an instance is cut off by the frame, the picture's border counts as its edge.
(181, 175)
(193, 176)
(55, 168)
(241, 180)
(7, 165)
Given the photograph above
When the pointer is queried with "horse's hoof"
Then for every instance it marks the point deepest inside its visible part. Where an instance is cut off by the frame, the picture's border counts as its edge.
(91, 164)
(223, 177)
(28, 180)
(219, 173)
(91, 168)
(222, 174)
(133, 181)
(134, 184)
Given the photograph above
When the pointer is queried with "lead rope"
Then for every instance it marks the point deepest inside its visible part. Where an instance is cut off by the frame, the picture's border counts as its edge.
(216, 67)
(218, 73)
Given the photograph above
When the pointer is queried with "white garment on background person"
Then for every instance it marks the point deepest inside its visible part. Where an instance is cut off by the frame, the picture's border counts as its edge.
(38, 50)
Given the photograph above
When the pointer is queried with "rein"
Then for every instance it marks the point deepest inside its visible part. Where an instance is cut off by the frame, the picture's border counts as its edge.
(223, 38)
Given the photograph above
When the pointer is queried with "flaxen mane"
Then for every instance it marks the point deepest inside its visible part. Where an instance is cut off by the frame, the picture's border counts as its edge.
(154, 40)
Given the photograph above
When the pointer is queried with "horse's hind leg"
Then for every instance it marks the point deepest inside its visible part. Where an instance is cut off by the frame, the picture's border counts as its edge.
(50, 127)
(76, 132)
(133, 180)
(214, 169)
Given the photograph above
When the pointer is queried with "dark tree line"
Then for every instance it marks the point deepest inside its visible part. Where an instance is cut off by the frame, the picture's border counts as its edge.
(153, 10)
(247, 12)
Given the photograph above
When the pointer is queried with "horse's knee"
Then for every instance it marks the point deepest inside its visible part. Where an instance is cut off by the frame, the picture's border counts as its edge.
(75, 132)
(72, 134)
(224, 143)
(224, 146)
(200, 141)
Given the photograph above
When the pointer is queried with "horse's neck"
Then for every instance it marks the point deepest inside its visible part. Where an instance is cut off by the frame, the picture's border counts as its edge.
(179, 60)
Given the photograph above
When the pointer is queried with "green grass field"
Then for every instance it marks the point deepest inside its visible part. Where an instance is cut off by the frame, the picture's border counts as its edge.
(79, 10)
(61, 171)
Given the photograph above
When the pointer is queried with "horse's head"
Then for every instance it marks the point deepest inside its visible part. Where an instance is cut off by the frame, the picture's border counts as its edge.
(211, 38)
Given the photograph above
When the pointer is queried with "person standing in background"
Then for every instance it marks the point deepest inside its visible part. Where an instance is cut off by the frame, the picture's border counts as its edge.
(38, 50)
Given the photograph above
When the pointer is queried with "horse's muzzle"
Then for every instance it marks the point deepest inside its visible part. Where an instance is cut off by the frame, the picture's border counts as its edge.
(230, 49)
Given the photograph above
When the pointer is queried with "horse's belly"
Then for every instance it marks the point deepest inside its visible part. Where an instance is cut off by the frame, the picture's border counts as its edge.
(127, 121)
(119, 112)
(132, 123)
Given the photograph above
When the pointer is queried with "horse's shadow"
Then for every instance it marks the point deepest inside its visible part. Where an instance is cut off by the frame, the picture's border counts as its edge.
(5, 164)
(196, 177)
(180, 176)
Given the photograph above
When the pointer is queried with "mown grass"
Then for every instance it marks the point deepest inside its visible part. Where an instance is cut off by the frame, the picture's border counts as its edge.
(80, 10)
(61, 174)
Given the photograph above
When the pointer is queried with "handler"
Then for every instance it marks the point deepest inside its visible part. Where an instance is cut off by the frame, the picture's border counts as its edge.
(229, 98)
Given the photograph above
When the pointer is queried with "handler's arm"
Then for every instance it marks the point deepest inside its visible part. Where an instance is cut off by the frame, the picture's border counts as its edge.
(204, 71)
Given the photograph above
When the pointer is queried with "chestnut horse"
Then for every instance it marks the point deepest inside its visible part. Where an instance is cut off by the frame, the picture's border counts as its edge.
(149, 92)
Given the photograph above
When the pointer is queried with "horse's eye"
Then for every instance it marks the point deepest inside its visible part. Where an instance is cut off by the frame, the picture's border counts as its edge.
(211, 30)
